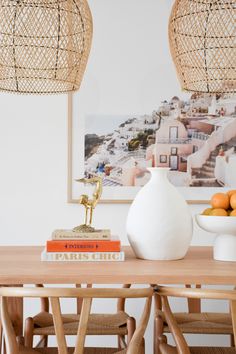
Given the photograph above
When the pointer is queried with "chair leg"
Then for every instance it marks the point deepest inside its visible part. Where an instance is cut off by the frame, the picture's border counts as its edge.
(121, 341)
(131, 326)
(28, 332)
(20, 340)
(44, 341)
(4, 349)
(1, 337)
(232, 342)
(142, 347)
(158, 333)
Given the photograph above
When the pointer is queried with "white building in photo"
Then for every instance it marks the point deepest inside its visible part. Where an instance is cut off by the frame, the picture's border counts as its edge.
(186, 136)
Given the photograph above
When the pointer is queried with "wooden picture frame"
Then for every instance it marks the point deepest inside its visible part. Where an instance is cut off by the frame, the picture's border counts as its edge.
(163, 158)
(74, 199)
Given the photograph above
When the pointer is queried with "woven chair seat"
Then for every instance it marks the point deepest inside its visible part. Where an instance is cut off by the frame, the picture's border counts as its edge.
(107, 324)
(202, 350)
(208, 323)
(24, 350)
(209, 350)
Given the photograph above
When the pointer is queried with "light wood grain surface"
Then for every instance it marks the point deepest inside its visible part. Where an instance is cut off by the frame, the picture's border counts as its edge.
(22, 265)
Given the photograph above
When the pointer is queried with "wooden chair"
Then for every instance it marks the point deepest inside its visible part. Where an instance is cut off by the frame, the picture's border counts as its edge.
(194, 321)
(136, 345)
(119, 323)
(181, 345)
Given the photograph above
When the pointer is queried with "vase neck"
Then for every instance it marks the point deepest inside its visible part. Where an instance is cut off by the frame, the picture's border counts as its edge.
(159, 172)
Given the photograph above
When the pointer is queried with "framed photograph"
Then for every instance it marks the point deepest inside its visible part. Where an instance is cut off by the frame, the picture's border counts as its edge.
(163, 158)
(195, 137)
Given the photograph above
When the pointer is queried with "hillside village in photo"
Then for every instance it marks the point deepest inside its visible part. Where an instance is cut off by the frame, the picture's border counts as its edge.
(195, 138)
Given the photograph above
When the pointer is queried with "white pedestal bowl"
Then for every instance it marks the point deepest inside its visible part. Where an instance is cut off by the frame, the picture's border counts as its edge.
(225, 229)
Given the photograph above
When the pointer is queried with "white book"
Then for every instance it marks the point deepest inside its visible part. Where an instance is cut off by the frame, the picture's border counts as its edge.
(62, 234)
(82, 256)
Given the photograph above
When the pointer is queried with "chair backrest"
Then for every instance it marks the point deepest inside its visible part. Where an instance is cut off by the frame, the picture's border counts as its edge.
(192, 293)
(87, 294)
(194, 305)
(45, 302)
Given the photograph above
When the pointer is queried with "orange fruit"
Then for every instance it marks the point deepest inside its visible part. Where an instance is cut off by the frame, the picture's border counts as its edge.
(218, 212)
(233, 201)
(220, 201)
(207, 211)
(233, 213)
(231, 192)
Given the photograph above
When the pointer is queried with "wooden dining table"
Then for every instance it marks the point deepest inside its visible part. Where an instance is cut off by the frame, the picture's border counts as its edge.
(21, 265)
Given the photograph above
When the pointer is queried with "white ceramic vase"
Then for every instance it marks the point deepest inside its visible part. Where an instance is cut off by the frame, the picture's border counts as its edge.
(159, 223)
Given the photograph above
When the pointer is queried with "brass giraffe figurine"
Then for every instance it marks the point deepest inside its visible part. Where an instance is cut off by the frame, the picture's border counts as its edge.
(89, 204)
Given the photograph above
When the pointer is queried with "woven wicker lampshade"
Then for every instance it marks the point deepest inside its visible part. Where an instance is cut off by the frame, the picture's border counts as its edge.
(202, 40)
(44, 45)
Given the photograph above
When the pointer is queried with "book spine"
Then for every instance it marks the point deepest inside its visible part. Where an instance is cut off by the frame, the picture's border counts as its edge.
(70, 235)
(83, 246)
(82, 256)
(80, 237)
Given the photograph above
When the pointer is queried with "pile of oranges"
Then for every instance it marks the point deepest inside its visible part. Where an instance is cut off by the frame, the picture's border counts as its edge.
(222, 204)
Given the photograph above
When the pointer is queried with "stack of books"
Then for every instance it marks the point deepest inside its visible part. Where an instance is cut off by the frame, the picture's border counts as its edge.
(97, 246)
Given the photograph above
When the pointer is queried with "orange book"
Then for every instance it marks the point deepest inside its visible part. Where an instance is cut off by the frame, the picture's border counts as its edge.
(112, 245)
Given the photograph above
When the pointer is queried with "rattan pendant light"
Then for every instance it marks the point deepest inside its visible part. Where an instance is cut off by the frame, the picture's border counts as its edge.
(44, 45)
(202, 36)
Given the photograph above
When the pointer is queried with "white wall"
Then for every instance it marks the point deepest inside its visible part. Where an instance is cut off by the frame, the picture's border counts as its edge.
(33, 130)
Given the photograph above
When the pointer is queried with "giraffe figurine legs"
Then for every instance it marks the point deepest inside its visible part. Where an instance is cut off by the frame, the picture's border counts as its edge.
(91, 216)
(86, 215)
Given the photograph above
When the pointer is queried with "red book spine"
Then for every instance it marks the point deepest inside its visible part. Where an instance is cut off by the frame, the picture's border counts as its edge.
(83, 246)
